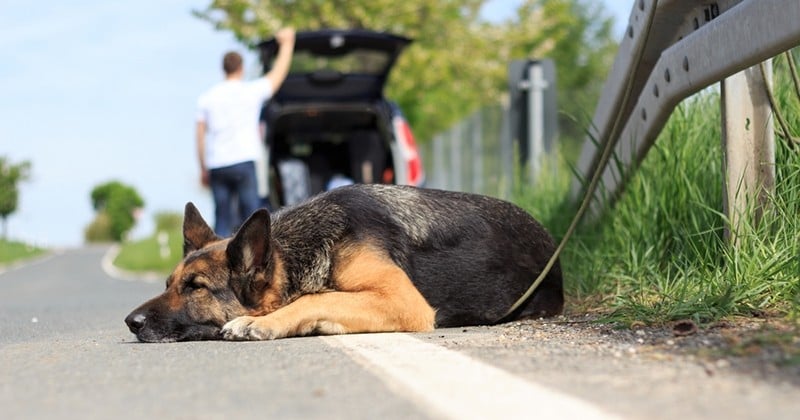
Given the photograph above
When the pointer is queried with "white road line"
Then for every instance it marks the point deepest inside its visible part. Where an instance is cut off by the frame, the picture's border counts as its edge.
(456, 386)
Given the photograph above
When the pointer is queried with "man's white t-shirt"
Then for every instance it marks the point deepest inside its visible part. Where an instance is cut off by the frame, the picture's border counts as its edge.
(231, 110)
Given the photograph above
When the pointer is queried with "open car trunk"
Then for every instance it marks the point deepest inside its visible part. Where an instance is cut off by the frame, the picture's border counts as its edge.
(329, 123)
(336, 65)
(317, 149)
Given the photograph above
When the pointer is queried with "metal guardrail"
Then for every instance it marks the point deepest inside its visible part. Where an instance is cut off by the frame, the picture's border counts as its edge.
(688, 46)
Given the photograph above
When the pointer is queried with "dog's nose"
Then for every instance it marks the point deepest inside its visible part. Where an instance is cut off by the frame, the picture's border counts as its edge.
(135, 321)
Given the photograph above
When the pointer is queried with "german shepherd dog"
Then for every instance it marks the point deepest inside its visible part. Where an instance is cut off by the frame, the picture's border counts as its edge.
(357, 259)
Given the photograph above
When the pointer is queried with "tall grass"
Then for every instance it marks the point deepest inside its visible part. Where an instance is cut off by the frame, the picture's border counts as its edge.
(660, 253)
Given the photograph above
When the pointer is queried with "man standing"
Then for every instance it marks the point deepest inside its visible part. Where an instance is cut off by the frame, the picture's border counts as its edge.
(228, 140)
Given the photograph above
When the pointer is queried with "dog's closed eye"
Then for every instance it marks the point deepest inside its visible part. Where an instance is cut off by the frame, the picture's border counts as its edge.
(194, 282)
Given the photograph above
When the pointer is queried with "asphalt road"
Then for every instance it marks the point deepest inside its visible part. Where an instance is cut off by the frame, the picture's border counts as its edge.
(65, 353)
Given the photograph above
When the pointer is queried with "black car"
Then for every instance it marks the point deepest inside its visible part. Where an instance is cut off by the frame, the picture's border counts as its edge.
(329, 124)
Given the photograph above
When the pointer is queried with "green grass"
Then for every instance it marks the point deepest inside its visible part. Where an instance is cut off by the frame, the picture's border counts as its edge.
(11, 251)
(660, 254)
(145, 255)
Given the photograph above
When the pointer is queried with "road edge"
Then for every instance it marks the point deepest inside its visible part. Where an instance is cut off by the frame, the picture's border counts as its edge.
(30, 261)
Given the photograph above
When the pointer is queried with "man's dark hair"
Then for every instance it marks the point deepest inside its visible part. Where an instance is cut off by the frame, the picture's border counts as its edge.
(231, 62)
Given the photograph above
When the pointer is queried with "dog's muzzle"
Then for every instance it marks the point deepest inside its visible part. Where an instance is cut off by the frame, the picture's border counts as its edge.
(153, 327)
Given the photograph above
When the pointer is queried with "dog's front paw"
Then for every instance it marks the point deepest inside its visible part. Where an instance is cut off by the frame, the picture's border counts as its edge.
(250, 328)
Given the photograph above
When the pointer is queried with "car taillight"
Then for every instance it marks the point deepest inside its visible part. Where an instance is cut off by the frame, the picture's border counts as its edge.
(414, 172)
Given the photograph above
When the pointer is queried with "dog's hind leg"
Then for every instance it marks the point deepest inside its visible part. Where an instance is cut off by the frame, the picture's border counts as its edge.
(374, 295)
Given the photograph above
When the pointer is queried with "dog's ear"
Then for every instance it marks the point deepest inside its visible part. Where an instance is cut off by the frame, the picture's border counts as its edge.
(248, 251)
(196, 232)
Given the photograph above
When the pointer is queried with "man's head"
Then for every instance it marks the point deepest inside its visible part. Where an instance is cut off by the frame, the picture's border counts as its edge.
(232, 63)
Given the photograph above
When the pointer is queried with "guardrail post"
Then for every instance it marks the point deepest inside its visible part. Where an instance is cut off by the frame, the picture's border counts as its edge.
(748, 140)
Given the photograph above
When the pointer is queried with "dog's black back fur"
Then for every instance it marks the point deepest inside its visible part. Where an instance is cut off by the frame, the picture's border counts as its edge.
(470, 256)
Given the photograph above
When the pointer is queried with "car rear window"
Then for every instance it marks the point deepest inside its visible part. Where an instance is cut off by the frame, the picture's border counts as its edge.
(351, 61)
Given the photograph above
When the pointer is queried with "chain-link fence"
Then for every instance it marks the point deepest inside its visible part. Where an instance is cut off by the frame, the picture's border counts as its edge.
(475, 155)
(479, 154)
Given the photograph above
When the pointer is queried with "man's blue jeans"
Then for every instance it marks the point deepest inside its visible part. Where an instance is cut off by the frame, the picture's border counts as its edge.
(236, 182)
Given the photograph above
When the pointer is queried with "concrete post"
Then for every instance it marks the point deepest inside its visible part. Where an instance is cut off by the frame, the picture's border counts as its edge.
(537, 85)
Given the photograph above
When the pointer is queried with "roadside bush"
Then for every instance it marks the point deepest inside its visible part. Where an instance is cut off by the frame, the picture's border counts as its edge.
(99, 230)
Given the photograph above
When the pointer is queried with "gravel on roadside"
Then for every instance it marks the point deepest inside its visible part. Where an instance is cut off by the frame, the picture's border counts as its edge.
(765, 348)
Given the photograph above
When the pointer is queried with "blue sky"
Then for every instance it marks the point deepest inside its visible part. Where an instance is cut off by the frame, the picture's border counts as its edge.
(98, 90)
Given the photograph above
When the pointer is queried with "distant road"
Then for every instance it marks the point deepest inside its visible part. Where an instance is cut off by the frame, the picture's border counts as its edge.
(65, 353)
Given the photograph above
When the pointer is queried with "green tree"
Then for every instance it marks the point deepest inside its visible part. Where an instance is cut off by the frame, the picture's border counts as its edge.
(458, 62)
(10, 175)
(115, 204)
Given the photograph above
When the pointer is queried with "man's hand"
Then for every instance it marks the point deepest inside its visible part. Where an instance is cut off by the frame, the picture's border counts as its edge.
(200, 138)
(285, 36)
(205, 178)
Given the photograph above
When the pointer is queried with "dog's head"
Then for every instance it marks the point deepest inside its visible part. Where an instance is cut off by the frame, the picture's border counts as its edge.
(217, 281)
